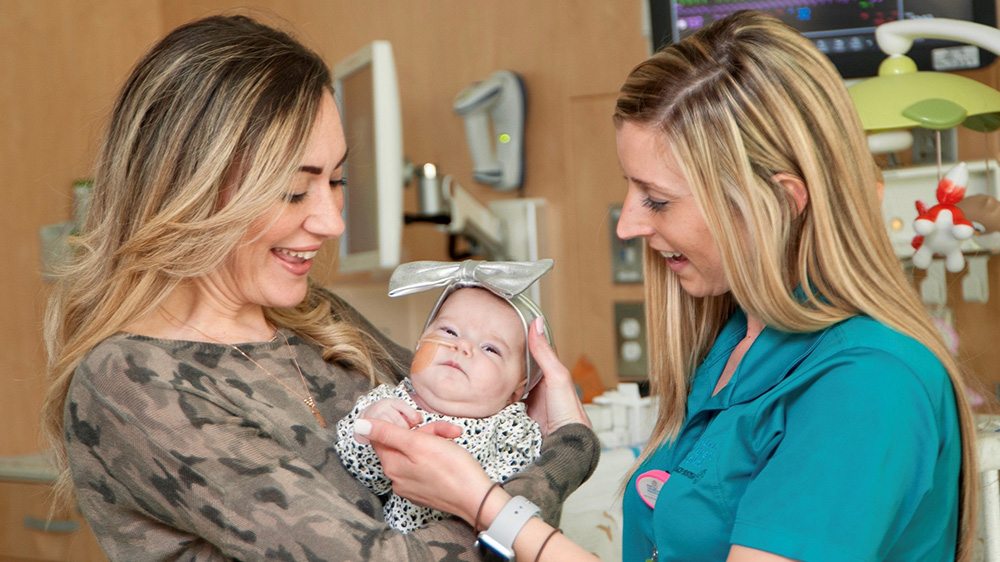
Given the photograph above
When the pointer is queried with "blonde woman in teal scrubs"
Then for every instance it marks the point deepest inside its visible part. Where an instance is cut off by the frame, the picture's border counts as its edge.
(809, 409)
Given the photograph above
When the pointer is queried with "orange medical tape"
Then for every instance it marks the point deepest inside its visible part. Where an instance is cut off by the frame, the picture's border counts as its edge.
(426, 350)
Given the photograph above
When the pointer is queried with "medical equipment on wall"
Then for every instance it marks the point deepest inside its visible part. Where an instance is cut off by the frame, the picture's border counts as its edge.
(505, 230)
(502, 230)
(493, 110)
(900, 98)
(367, 93)
(843, 30)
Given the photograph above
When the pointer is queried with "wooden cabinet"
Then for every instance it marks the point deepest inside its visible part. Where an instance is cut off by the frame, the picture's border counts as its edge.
(26, 532)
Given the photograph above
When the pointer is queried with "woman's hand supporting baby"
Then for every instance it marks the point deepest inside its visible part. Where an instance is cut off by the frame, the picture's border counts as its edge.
(427, 467)
(392, 410)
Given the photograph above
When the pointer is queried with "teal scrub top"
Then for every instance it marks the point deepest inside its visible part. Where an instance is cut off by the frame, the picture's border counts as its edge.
(837, 445)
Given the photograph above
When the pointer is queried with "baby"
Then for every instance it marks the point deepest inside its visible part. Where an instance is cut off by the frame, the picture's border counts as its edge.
(471, 368)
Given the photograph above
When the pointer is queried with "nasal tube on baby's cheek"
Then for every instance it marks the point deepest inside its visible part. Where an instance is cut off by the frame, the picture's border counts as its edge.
(426, 350)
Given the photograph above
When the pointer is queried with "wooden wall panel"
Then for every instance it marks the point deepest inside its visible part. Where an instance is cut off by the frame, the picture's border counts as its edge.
(978, 328)
(61, 61)
(598, 184)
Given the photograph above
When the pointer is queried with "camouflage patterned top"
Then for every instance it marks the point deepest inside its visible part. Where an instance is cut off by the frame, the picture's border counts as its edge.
(188, 451)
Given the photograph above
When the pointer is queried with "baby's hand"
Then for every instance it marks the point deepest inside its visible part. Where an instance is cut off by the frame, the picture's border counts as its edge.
(392, 410)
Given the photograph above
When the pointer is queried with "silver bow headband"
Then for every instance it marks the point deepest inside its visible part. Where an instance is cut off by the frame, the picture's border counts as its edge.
(506, 279)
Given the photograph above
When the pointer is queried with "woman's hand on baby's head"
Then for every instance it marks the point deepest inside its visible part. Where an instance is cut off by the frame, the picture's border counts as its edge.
(392, 410)
(553, 402)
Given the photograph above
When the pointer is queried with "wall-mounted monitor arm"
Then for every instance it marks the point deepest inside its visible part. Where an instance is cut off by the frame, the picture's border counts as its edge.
(507, 229)
(475, 222)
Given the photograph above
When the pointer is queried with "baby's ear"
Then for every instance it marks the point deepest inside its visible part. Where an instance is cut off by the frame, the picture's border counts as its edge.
(518, 391)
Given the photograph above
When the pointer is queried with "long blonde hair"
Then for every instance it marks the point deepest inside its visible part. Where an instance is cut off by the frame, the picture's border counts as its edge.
(739, 102)
(218, 102)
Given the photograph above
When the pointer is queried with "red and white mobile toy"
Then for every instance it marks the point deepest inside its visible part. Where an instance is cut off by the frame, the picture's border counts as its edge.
(942, 228)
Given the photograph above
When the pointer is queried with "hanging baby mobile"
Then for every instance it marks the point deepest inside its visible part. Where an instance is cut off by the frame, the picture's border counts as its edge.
(942, 228)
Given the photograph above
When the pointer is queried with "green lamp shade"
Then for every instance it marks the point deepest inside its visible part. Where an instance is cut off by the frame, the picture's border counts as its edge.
(933, 100)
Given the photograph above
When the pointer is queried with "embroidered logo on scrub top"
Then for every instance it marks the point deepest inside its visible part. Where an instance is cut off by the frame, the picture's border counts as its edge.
(691, 466)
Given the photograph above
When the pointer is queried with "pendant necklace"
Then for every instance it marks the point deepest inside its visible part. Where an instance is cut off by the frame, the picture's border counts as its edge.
(307, 399)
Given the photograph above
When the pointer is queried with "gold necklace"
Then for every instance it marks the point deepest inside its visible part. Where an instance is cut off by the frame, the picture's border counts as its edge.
(307, 399)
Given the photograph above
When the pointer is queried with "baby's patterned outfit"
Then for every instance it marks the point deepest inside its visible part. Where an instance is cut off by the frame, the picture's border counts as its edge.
(503, 443)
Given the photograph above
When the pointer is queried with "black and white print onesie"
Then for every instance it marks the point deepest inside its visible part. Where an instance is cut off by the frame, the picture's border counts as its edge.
(503, 443)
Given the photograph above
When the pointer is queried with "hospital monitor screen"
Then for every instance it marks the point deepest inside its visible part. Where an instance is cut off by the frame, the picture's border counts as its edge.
(367, 95)
(843, 29)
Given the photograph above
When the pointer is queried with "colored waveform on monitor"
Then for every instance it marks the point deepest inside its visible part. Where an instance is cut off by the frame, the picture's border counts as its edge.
(809, 16)
(716, 7)
(771, 4)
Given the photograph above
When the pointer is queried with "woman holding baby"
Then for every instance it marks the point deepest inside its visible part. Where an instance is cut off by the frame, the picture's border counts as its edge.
(197, 375)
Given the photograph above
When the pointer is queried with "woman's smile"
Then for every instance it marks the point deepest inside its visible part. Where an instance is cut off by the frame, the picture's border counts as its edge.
(297, 262)
(675, 260)
(271, 268)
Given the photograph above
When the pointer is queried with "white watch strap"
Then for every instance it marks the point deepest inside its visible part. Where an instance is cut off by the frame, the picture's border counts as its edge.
(511, 519)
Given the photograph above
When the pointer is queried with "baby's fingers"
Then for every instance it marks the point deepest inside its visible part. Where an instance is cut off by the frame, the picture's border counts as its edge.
(441, 429)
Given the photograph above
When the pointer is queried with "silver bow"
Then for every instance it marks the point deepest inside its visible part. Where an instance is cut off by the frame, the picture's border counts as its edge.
(504, 278)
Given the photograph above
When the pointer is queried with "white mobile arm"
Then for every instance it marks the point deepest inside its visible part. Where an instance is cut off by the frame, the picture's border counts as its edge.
(896, 38)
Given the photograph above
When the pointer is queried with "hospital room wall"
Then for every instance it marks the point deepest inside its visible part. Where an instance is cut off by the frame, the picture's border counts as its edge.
(60, 64)
(63, 60)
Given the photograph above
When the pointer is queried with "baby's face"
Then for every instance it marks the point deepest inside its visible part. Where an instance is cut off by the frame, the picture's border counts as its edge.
(470, 361)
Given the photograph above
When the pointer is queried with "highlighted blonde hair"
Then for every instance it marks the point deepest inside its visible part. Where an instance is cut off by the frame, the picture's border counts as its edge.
(739, 102)
(223, 104)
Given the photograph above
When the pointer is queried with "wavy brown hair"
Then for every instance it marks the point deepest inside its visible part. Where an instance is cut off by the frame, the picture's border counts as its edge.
(220, 101)
(740, 101)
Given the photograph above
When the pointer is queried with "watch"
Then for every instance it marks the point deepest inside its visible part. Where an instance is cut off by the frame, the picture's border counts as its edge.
(496, 544)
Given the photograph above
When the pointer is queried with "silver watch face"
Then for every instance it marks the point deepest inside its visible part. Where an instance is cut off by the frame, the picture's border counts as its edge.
(491, 550)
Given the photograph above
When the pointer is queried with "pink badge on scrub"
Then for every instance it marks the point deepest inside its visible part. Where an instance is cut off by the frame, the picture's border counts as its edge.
(648, 485)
